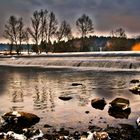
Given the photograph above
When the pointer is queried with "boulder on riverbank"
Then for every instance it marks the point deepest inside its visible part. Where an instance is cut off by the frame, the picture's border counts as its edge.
(16, 121)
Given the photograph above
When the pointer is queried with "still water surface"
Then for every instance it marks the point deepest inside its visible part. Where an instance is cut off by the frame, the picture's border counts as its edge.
(37, 91)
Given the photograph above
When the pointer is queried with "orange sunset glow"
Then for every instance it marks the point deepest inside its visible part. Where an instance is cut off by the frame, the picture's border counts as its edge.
(136, 47)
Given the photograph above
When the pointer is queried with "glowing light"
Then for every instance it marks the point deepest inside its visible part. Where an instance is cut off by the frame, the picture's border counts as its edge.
(136, 47)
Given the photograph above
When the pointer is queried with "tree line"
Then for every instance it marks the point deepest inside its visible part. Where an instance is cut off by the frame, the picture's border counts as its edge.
(44, 29)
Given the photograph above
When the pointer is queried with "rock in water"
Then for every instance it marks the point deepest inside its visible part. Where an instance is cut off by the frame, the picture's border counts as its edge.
(98, 103)
(65, 98)
(18, 120)
(120, 103)
(135, 89)
(76, 84)
(119, 108)
(134, 81)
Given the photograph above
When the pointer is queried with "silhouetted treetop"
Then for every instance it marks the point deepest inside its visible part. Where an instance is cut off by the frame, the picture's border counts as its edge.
(84, 25)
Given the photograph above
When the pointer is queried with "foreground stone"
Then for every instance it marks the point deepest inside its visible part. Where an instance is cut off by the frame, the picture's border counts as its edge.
(16, 121)
(101, 136)
(27, 134)
(123, 132)
(98, 103)
(119, 108)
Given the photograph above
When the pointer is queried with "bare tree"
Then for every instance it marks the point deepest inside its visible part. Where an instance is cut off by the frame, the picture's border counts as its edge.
(35, 30)
(84, 25)
(52, 27)
(120, 32)
(43, 18)
(118, 42)
(11, 32)
(64, 31)
(20, 32)
(26, 39)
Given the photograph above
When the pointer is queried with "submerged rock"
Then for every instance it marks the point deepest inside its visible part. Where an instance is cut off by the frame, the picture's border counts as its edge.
(76, 84)
(65, 98)
(135, 89)
(98, 103)
(16, 121)
(134, 81)
(47, 126)
(120, 108)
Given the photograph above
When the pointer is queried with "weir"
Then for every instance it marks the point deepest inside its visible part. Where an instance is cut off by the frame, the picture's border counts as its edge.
(110, 60)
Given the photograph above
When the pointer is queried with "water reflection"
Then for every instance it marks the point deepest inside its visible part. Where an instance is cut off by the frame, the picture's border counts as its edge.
(83, 97)
(16, 92)
(43, 96)
(38, 92)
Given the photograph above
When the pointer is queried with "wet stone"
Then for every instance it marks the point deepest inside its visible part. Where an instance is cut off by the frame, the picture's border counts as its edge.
(16, 121)
(65, 98)
(134, 81)
(87, 112)
(94, 128)
(120, 102)
(119, 113)
(76, 135)
(47, 126)
(126, 132)
(135, 90)
(101, 136)
(98, 103)
(119, 108)
(76, 84)
(49, 136)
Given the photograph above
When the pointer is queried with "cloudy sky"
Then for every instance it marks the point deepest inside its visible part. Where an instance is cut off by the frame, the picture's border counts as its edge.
(106, 14)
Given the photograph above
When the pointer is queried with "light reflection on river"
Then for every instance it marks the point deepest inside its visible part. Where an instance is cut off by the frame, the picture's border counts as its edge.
(38, 91)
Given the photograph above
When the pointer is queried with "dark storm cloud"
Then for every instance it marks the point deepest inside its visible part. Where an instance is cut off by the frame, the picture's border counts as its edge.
(107, 14)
